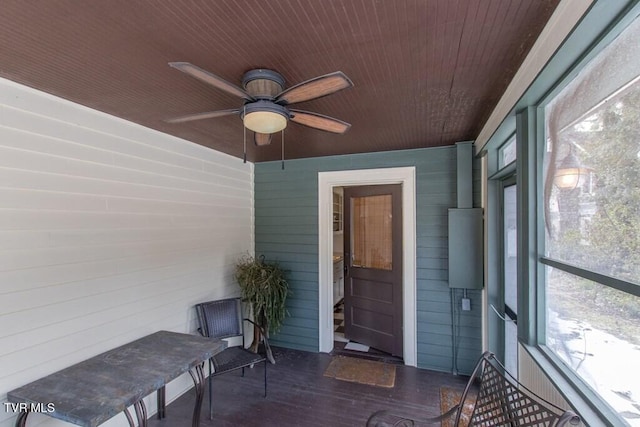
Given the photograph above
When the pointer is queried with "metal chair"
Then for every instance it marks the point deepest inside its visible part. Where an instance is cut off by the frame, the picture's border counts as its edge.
(223, 319)
(501, 401)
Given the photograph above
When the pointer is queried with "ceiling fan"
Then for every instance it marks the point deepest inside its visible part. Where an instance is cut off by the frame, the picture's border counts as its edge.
(266, 103)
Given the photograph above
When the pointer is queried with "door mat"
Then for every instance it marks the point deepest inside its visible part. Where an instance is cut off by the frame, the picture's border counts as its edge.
(448, 399)
(361, 371)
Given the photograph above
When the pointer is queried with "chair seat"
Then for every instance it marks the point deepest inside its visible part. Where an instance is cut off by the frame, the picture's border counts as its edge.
(235, 358)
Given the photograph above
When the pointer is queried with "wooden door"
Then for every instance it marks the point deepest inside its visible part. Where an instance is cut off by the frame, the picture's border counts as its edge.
(373, 266)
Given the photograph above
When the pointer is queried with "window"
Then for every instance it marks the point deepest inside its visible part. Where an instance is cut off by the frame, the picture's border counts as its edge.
(592, 225)
(510, 274)
(372, 232)
(507, 153)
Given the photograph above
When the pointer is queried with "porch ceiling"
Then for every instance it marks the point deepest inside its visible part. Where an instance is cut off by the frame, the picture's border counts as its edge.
(426, 72)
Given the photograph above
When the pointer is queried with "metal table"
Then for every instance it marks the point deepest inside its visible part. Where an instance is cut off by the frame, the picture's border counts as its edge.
(90, 392)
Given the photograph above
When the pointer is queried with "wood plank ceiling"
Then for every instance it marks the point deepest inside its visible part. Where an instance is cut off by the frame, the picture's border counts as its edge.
(426, 73)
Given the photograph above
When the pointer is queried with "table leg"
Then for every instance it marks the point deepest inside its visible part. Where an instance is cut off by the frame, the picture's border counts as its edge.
(21, 421)
(141, 413)
(198, 381)
(129, 418)
(162, 403)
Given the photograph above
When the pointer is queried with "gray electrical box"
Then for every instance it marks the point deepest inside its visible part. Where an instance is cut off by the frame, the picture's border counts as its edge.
(465, 249)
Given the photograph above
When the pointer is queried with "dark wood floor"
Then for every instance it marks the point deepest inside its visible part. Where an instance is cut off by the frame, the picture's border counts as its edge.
(299, 395)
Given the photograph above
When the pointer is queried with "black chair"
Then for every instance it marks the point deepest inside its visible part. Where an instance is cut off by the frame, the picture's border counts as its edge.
(223, 319)
(500, 401)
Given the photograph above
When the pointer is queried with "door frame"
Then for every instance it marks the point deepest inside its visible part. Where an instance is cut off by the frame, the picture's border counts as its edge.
(327, 181)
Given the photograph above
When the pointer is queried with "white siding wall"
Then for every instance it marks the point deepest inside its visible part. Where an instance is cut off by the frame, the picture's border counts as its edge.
(108, 231)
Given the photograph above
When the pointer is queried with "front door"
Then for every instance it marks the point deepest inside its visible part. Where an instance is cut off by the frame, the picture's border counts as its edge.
(373, 266)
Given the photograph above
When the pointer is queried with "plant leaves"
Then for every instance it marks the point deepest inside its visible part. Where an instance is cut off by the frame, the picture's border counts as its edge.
(263, 284)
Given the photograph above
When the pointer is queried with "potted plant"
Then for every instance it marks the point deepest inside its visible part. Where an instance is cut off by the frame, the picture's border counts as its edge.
(264, 287)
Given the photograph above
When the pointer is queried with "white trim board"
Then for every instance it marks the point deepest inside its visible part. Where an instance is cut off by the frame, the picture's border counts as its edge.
(326, 182)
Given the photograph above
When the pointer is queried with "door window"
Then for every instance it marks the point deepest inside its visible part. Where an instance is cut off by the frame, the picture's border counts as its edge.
(372, 232)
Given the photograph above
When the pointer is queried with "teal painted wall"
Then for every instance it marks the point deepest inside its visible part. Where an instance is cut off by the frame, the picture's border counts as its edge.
(286, 231)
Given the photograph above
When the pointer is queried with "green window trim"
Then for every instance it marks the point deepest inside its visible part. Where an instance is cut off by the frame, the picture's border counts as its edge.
(592, 406)
(612, 282)
(604, 22)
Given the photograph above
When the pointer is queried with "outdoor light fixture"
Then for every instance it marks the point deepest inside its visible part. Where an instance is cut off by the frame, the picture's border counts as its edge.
(569, 171)
(265, 117)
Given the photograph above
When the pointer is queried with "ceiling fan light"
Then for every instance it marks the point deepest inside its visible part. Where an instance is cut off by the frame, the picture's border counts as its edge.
(265, 121)
(265, 117)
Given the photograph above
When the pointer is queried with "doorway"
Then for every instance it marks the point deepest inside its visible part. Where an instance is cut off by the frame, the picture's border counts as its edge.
(508, 204)
(373, 267)
(327, 181)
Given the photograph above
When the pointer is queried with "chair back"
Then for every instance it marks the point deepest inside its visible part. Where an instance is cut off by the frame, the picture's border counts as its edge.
(221, 318)
(502, 400)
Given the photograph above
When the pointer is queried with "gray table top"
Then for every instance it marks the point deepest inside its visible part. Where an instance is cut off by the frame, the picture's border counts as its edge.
(90, 392)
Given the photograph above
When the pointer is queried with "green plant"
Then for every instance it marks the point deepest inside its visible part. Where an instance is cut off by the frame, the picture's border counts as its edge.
(264, 286)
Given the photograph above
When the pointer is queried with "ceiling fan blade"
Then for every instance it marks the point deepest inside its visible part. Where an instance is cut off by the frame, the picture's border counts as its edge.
(314, 88)
(261, 139)
(211, 79)
(318, 121)
(200, 116)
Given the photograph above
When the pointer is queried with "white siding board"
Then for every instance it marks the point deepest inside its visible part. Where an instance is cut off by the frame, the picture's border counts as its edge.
(15, 240)
(31, 179)
(209, 170)
(227, 205)
(141, 159)
(23, 219)
(33, 258)
(43, 144)
(104, 289)
(27, 199)
(18, 219)
(37, 331)
(28, 160)
(23, 140)
(20, 239)
(67, 131)
(67, 139)
(108, 231)
(14, 96)
(220, 168)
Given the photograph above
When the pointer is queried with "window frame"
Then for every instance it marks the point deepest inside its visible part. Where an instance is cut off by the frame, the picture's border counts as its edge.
(530, 127)
(600, 25)
(504, 182)
(496, 174)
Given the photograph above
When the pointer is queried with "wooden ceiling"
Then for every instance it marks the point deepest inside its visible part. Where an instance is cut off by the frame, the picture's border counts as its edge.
(426, 73)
